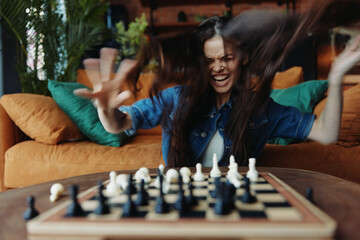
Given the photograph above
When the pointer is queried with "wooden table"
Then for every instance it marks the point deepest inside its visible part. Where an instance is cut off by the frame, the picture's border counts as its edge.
(339, 198)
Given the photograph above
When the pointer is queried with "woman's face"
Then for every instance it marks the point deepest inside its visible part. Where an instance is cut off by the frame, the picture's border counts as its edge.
(224, 68)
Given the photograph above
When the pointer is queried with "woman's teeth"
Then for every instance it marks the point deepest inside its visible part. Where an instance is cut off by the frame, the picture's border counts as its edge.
(220, 77)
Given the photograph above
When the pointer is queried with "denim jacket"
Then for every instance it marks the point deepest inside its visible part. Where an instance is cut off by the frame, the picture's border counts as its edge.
(275, 121)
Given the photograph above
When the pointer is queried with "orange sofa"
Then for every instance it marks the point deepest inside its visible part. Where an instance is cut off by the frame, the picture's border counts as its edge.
(39, 143)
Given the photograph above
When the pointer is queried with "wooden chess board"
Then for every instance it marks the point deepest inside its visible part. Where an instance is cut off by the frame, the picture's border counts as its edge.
(279, 213)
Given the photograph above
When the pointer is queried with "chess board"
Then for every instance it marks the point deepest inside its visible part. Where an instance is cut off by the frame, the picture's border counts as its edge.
(279, 213)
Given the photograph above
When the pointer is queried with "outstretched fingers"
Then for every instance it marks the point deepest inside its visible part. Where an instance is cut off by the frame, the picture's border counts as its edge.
(125, 68)
(121, 97)
(85, 93)
(92, 69)
(107, 60)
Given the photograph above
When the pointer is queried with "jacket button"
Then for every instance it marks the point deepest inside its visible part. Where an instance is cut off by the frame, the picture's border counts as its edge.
(212, 115)
(251, 124)
(203, 134)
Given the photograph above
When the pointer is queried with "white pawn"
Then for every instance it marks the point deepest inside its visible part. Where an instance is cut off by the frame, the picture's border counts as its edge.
(199, 176)
(55, 191)
(215, 171)
(142, 173)
(122, 181)
(252, 174)
(231, 161)
(172, 175)
(112, 188)
(185, 174)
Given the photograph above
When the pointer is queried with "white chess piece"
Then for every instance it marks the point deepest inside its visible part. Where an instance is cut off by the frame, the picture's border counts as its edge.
(185, 174)
(112, 188)
(55, 191)
(161, 171)
(122, 181)
(234, 180)
(172, 175)
(231, 161)
(233, 171)
(142, 173)
(215, 171)
(199, 176)
(252, 174)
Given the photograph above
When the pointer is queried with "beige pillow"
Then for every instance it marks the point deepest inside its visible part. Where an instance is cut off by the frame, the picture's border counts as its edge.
(40, 118)
(350, 120)
(288, 78)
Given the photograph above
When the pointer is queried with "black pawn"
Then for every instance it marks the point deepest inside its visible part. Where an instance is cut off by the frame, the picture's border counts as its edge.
(181, 204)
(103, 207)
(221, 207)
(191, 200)
(216, 192)
(74, 209)
(248, 197)
(229, 193)
(143, 196)
(129, 208)
(132, 187)
(161, 205)
(309, 195)
(30, 212)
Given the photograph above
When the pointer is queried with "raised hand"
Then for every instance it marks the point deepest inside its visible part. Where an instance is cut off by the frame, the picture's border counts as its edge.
(347, 59)
(106, 93)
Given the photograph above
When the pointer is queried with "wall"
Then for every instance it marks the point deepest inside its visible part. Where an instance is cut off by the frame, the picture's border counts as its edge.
(169, 14)
(9, 78)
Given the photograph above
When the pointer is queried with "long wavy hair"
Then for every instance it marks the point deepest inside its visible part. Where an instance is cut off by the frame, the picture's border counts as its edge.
(263, 37)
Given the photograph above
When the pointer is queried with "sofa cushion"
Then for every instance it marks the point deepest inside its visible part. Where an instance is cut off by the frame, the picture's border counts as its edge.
(350, 120)
(303, 96)
(40, 118)
(288, 78)
(83, 113)
(330, 159)
(52, 162)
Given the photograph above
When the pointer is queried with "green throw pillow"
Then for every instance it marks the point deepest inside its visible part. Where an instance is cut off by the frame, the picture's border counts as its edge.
(83, 113)
(303, 96)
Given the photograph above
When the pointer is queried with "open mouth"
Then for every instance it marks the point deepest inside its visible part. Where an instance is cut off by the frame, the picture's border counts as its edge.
(220, 78)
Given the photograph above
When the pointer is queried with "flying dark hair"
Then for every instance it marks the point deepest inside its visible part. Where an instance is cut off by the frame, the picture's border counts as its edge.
(263, 38)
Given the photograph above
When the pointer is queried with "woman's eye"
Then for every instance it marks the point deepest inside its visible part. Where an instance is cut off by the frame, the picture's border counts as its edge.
(228, 59)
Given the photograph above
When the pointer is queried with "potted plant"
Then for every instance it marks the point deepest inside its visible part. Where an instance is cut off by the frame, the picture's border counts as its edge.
(52, 36)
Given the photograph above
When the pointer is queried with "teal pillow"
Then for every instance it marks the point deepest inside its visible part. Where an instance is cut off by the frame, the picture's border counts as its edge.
(83, 113)
(303, 96)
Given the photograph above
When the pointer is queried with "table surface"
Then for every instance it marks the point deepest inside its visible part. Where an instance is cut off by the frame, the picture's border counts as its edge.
(339, 198)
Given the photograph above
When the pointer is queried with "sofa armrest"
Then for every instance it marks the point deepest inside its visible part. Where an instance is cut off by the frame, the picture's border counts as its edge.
(10, 134)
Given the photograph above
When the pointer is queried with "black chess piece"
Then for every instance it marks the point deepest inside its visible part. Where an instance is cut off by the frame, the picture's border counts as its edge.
(221, 207)
(191, 200)
(103, 207)
(129, 208)
(181, 204)
(30, 212)
(143, 196)
(132, 188)
(309, 195)
(216, 192)
(74, 209)
(248, 197)
(229, 193)
(161, 205)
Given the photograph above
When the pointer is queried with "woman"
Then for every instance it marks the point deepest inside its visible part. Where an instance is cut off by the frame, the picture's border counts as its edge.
(221, 103)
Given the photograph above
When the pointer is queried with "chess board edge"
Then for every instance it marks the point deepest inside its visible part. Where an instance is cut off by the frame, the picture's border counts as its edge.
(38, 228)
